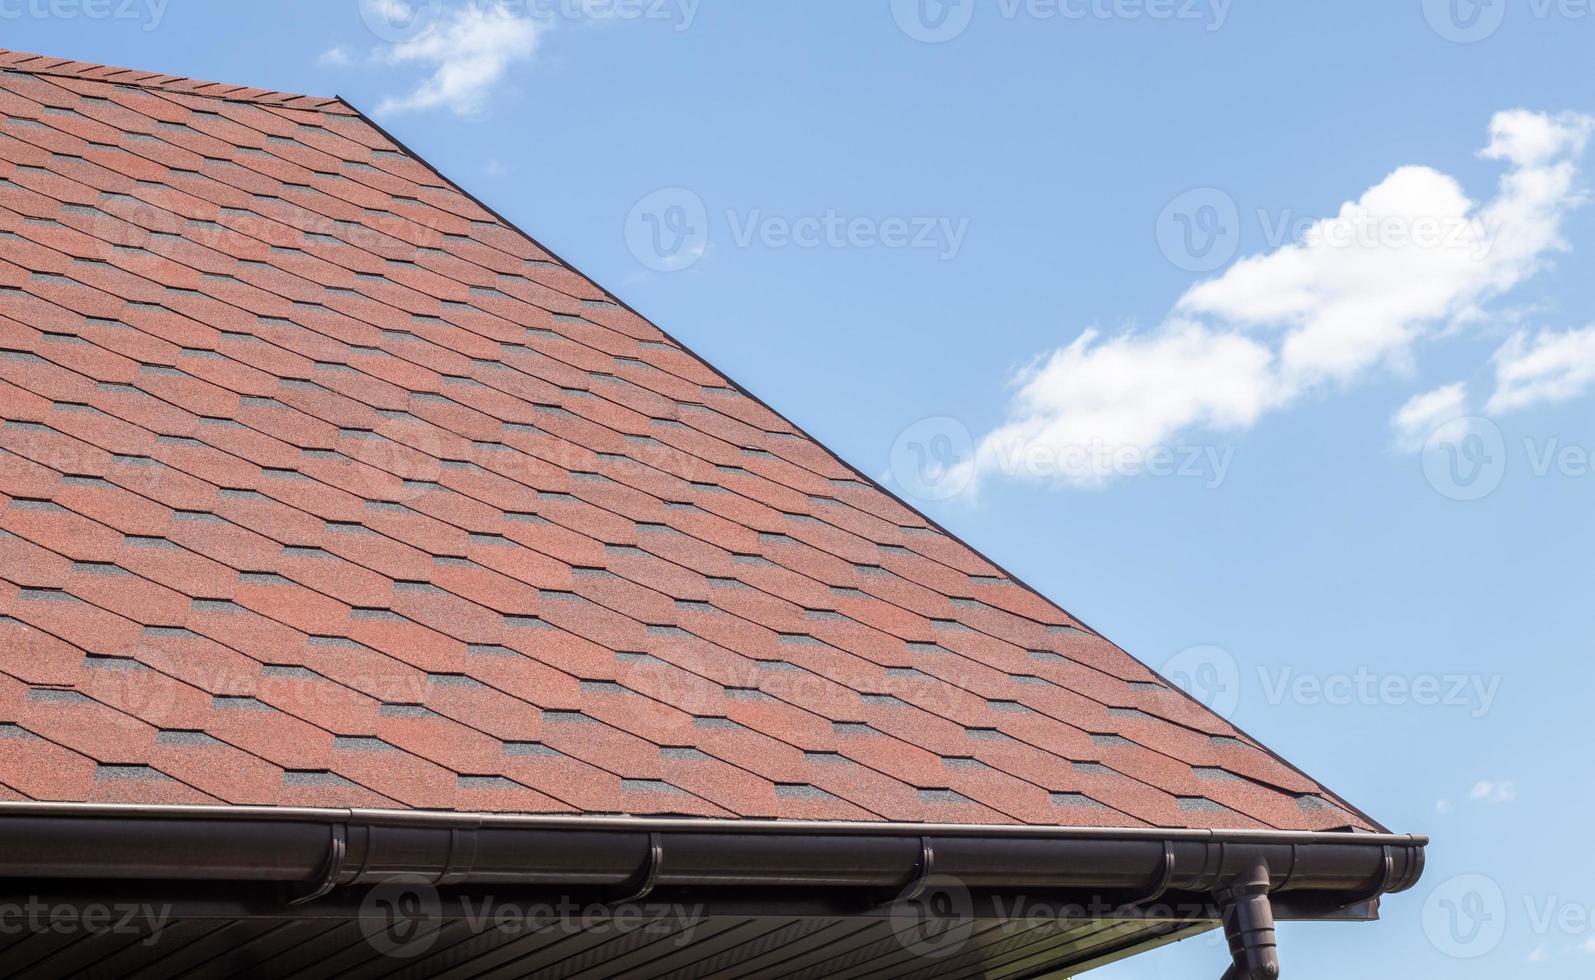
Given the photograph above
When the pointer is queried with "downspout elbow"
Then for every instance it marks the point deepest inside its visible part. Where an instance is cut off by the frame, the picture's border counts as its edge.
(1248, 916)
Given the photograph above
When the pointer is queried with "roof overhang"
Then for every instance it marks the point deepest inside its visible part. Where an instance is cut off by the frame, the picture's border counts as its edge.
(434, 887)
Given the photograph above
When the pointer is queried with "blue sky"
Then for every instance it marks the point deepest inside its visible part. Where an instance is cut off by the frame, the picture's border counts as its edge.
(1057, 271)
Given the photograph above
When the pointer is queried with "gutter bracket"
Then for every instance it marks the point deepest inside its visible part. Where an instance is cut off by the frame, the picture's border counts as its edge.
(331, 868)
(1248, 917)
(648, 878)
(1161, 888)
(922, 871)
(462, 857)
(1383, 885)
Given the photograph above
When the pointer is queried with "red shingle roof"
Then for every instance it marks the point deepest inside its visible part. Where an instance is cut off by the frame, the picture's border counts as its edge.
(322, 485)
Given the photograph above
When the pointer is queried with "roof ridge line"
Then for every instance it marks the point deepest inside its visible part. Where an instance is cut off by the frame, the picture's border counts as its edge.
(31, 63)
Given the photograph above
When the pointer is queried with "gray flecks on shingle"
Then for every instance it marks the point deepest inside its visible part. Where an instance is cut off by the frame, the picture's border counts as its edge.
(46, 595)
(852, 728)
(962, 762)
(603, 687)
(57, 694)
(500, 783)
(1008, 706)
(942, 796)
(236, 702)
(1214, 773)
(986, 734)
(171, 632)
(187, 738)
(339, 642)
(800, 791)
(1078, 800)
(262, 578)
(682, 754)
(313, 777)
(1102, 739)
(10, 730)
(824, 758)
(650, 786)
(95, 661)
(641, 659)
(525, 622)
(490, 650)
(1200, 804)
(113, 771)
(882, 700)
(406, 711)
(565, 718)
(746, 694)
(714, 721)
(1092, 769)
(360, 743)
(530, 749)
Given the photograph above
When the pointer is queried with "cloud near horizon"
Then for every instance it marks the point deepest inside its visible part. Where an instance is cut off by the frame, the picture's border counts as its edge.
(1408, 261)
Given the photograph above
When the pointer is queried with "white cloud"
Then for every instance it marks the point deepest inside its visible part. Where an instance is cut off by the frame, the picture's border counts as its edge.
(1550, 367)
(1423, 414)
(1080, 405)
(468, 49)
(336, 56)
(1444, 807)
(1411, 259)
(1485, 791)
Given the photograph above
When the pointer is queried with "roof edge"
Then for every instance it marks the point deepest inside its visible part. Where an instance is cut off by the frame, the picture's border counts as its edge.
(655, 824)
(316, 852)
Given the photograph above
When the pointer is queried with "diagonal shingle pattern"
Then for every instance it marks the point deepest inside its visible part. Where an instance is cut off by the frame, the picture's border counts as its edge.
(321, 485)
